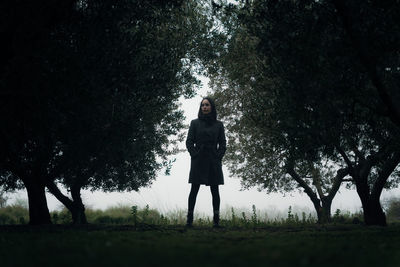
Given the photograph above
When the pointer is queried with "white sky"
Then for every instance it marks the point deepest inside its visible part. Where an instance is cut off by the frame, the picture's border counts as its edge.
(169, 193)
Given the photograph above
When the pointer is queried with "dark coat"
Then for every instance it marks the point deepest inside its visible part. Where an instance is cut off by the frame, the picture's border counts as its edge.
(206, 144)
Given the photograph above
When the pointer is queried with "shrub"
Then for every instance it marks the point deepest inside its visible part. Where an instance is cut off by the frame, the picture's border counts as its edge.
(3, 199)
(392, 207)
(14, 214)
(347, 218)
(61, 216)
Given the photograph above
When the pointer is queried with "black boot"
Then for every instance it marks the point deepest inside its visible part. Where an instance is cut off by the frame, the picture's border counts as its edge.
(189, 220)
(216, 219)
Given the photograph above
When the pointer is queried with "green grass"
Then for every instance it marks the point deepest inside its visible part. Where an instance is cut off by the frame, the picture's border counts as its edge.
(132, 236)
(149, 245)
(122, 214)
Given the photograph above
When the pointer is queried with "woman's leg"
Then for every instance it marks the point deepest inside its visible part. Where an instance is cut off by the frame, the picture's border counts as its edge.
(215, 197)
(192, 196)
(191, 203)
(216, 202)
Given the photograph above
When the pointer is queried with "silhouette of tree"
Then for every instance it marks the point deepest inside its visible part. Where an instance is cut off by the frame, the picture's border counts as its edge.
(25, 28)
(93, 103)
(298, 105)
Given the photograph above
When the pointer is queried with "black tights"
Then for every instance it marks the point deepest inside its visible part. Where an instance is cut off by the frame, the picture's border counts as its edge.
(193, 195)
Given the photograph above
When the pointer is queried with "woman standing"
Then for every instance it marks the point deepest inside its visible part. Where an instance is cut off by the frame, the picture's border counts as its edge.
(206, 144)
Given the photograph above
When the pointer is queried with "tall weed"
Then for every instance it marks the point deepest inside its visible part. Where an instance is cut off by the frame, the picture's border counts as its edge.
(135, 215)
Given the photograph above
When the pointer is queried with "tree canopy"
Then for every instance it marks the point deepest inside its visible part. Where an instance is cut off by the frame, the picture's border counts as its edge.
(297, 101)
(92, 99)
(309, 92)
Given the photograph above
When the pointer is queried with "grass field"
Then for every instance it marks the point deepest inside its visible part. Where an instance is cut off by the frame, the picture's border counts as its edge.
(119, 245)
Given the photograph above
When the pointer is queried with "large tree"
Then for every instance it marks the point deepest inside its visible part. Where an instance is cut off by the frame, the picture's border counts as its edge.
(97, 99)
(26, 27)
(267, 146)
(297, 101)
(143, 115)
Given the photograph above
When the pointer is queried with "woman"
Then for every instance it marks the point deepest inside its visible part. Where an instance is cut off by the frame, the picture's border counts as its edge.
(206, 144)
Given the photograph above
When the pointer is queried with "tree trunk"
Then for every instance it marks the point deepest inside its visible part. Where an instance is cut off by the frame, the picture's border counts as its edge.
(76, 208)
(324, 211)
(78, 215)
(373, 212)
(325, 214)
(38, 211)
(318, 208)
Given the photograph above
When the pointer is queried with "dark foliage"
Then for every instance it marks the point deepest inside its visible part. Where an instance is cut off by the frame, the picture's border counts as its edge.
(302, 107)
(90, 97)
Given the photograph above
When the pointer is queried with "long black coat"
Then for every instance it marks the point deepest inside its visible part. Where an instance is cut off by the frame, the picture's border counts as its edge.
(206, 144)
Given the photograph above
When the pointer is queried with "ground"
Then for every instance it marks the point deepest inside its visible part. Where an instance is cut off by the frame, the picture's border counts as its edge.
(146, 245)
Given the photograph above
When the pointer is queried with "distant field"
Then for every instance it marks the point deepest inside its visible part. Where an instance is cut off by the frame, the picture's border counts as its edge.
(102, 245)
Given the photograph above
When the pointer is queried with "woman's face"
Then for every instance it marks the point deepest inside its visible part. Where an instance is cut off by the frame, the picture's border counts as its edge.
(205, 106)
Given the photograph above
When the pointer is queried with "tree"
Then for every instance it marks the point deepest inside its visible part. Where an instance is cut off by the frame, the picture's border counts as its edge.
(301, 102)
(264, 150)
(106, 99)
(26, 27)
(135, 135)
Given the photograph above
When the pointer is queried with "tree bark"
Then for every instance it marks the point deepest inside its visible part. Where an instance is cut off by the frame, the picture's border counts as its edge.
(373, 212)
(79, 216)
(38, 211)
(325, 211)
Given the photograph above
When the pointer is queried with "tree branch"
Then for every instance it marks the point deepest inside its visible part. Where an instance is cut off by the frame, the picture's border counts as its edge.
(346, 158)
(290, 170)
(358, 153)
(55, 191)
(388, 167)
(340, 174)
(316, 177)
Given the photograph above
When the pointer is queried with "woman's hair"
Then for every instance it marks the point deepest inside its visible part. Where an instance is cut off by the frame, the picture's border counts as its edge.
(213, 113)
